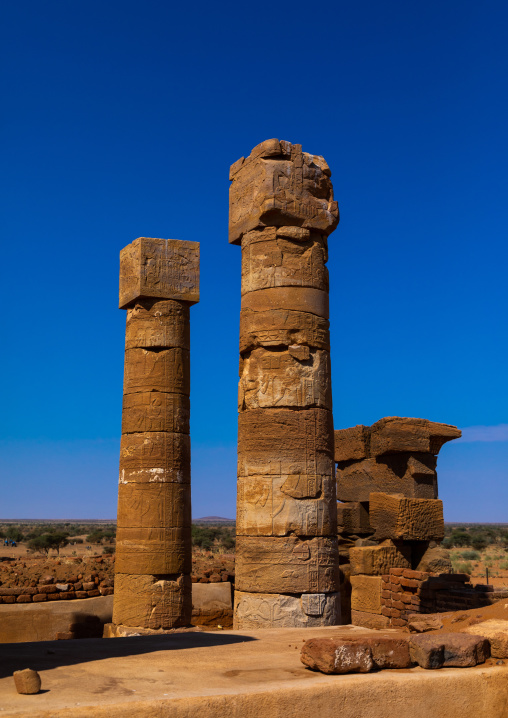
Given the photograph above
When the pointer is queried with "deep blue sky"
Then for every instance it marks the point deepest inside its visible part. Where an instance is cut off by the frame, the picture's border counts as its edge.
(120, 119)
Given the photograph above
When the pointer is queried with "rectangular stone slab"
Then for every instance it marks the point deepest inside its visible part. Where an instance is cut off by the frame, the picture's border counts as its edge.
(282, 327)
(281, 441)
(366, 594)
(153, 550)
(155, 505)
(297, 377)
(378, 560)
(167, 370)
(394, 433)
(279, 505)
(271, 610)
(152, 601)
(155, 456)
(351, 444)
(162, 268)
(280, 262)
(286, 565)
(152, 323)
(155, 411)
(280, 185)
(396, 517)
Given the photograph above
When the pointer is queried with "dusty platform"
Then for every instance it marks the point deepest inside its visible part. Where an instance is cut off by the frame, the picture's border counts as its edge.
(249, 674)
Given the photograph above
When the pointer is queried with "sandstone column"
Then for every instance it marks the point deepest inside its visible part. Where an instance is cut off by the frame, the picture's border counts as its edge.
(159, 280)
(281, 213)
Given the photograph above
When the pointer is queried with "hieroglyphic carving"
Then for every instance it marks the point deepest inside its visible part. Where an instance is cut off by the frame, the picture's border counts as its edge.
(283, 505)
(268, 610)
(282, 210)
(165, 268)
(159, 280)
(278, 184)
(298, 377)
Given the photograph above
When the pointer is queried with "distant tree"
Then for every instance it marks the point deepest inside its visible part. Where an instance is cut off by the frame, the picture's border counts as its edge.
(48, 541)
(460, 537)
(479, 542)
(14, 533)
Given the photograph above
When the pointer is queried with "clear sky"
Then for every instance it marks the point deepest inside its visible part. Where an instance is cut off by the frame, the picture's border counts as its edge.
(120, 119)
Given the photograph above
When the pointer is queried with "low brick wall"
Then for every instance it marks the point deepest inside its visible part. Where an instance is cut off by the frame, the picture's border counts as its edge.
(404, 591)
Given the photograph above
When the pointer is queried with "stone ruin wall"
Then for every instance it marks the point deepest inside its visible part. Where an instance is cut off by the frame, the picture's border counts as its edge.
(281, 213)
(389, 518)
(159, 280)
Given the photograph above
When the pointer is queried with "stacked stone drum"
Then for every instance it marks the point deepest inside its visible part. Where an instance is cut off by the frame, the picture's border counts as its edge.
(281, 213)
(159, 280)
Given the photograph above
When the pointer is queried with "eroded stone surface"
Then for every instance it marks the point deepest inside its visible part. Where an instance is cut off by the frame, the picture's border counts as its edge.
(286, 565)
(396, 517)
(446, 650)
(366, 594)
(27, 681)
(270, 610)
(155, 323)
(378, 560)
(165, 268)
(279, 505)
(281, 328)
(496, 631)
(154, 456)
(357, 654)
(296, 377)
(279, 185)
(152, 602)
(149, 411)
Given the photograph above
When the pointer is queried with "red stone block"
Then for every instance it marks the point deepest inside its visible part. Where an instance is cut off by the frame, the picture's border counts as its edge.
(92, 594)
(398, 572)
(40, 597)
(24, 598)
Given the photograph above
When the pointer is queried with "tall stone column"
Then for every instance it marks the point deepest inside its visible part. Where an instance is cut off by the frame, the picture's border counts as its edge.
(159, 280)
(281, 213)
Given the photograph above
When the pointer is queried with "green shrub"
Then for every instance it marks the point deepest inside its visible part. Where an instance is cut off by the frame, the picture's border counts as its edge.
(470, 555)
(463, 568)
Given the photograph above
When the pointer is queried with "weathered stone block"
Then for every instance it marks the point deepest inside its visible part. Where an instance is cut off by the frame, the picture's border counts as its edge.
(155, 456)
(294, 299)
(270, 261)
(152, 601)
(396, 517)
(155, 411)
(366, 594)
(153, 323)
(446, 650)
(297, 377)
(280, 505)
(158, 551)
(268, 610)
(211, 596)
(376, 621)
(378, 560)
(394, 433)
(429, 557)
(356, 654)
(167, 370)
(286, 565)
(27, 682)
(165, 268)
(411, 475)
(496, 631)
(280, 185)
(353, 518)
(282, 327)
(351, 444)
(154, 505)
(302, 439)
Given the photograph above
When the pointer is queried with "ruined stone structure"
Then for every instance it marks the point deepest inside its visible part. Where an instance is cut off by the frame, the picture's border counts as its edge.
(389, 516)
(281, 213)
(159, 280)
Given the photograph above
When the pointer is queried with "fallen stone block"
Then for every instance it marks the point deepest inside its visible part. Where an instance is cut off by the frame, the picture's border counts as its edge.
(27, 682)
(378, 560)
(351, 444)
(421, 623)
(446, 650)
(394, 433)
(353, 518)
(356, 655)
(369, 620)
(497, 633)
